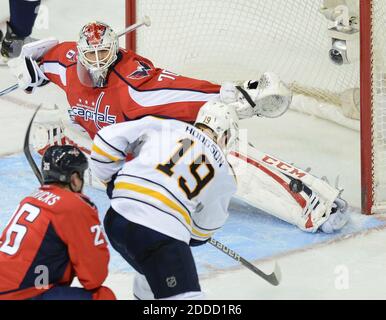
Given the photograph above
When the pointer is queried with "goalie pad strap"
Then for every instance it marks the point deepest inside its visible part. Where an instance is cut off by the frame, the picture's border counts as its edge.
(246, 96)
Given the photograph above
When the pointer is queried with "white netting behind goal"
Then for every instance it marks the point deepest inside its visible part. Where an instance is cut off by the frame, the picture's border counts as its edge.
(221, 40)
(237, 40)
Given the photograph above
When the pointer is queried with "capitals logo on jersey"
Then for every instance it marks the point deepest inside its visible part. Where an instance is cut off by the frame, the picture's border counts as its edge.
(94, 112)
(141, 72)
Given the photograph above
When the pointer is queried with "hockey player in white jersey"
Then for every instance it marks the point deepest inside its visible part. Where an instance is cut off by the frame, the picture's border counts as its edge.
(173, 194)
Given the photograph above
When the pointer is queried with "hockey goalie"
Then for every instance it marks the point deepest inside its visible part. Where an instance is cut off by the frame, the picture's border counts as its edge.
(105, 84)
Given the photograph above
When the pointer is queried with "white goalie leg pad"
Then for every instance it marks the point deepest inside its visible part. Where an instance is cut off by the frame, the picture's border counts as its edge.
(268, 190)
(53, 127)
(325, 191)
(75, 135)
(47, 129)
(264, 182)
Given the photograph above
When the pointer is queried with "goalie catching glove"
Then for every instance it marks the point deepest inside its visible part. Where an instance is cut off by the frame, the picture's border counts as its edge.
(268, 97)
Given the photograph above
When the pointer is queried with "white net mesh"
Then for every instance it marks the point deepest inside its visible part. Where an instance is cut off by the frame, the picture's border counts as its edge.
(235, 40)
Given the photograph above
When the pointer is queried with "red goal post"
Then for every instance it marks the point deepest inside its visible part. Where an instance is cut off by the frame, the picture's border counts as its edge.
(295, 35)
(366, 81)
(131, 18)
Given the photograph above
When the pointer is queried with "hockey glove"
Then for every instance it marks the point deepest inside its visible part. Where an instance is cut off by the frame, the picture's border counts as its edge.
(268, 97)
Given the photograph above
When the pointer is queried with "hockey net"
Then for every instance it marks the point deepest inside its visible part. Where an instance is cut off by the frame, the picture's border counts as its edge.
(228, 40)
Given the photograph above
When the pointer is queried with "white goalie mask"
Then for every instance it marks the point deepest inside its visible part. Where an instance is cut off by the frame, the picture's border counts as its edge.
(98, 48)
(222, 120)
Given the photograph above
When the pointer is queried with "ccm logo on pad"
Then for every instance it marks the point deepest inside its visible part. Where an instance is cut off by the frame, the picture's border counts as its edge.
(283, 166)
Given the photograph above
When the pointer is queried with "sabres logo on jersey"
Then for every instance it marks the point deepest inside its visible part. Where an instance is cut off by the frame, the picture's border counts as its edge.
(141, 72)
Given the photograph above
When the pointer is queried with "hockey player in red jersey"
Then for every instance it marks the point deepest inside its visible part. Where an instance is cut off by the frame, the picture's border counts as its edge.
(55, 235)
(106, 85)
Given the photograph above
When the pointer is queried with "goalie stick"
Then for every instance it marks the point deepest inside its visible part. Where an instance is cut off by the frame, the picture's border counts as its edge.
(8, 90)
(144, 22)
(27, 151)
(273, 278)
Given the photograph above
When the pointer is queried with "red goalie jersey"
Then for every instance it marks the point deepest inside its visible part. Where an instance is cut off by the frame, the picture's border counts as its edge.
(135, 88)
(53, 233)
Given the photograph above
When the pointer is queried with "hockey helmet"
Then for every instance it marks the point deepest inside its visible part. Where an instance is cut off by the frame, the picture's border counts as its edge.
(98, 49)
(221, 119)
(60, 162)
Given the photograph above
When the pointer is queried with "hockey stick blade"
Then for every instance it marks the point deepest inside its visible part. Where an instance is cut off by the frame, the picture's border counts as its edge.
(273, 278)
(27, 151)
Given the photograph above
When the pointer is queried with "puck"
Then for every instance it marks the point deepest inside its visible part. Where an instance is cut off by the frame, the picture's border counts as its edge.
(296, 186)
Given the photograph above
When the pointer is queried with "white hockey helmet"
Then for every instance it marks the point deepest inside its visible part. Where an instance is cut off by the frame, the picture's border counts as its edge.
(98, 49)
(221, 119)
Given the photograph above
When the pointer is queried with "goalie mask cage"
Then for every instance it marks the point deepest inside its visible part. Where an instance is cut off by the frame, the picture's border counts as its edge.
(235, 40)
